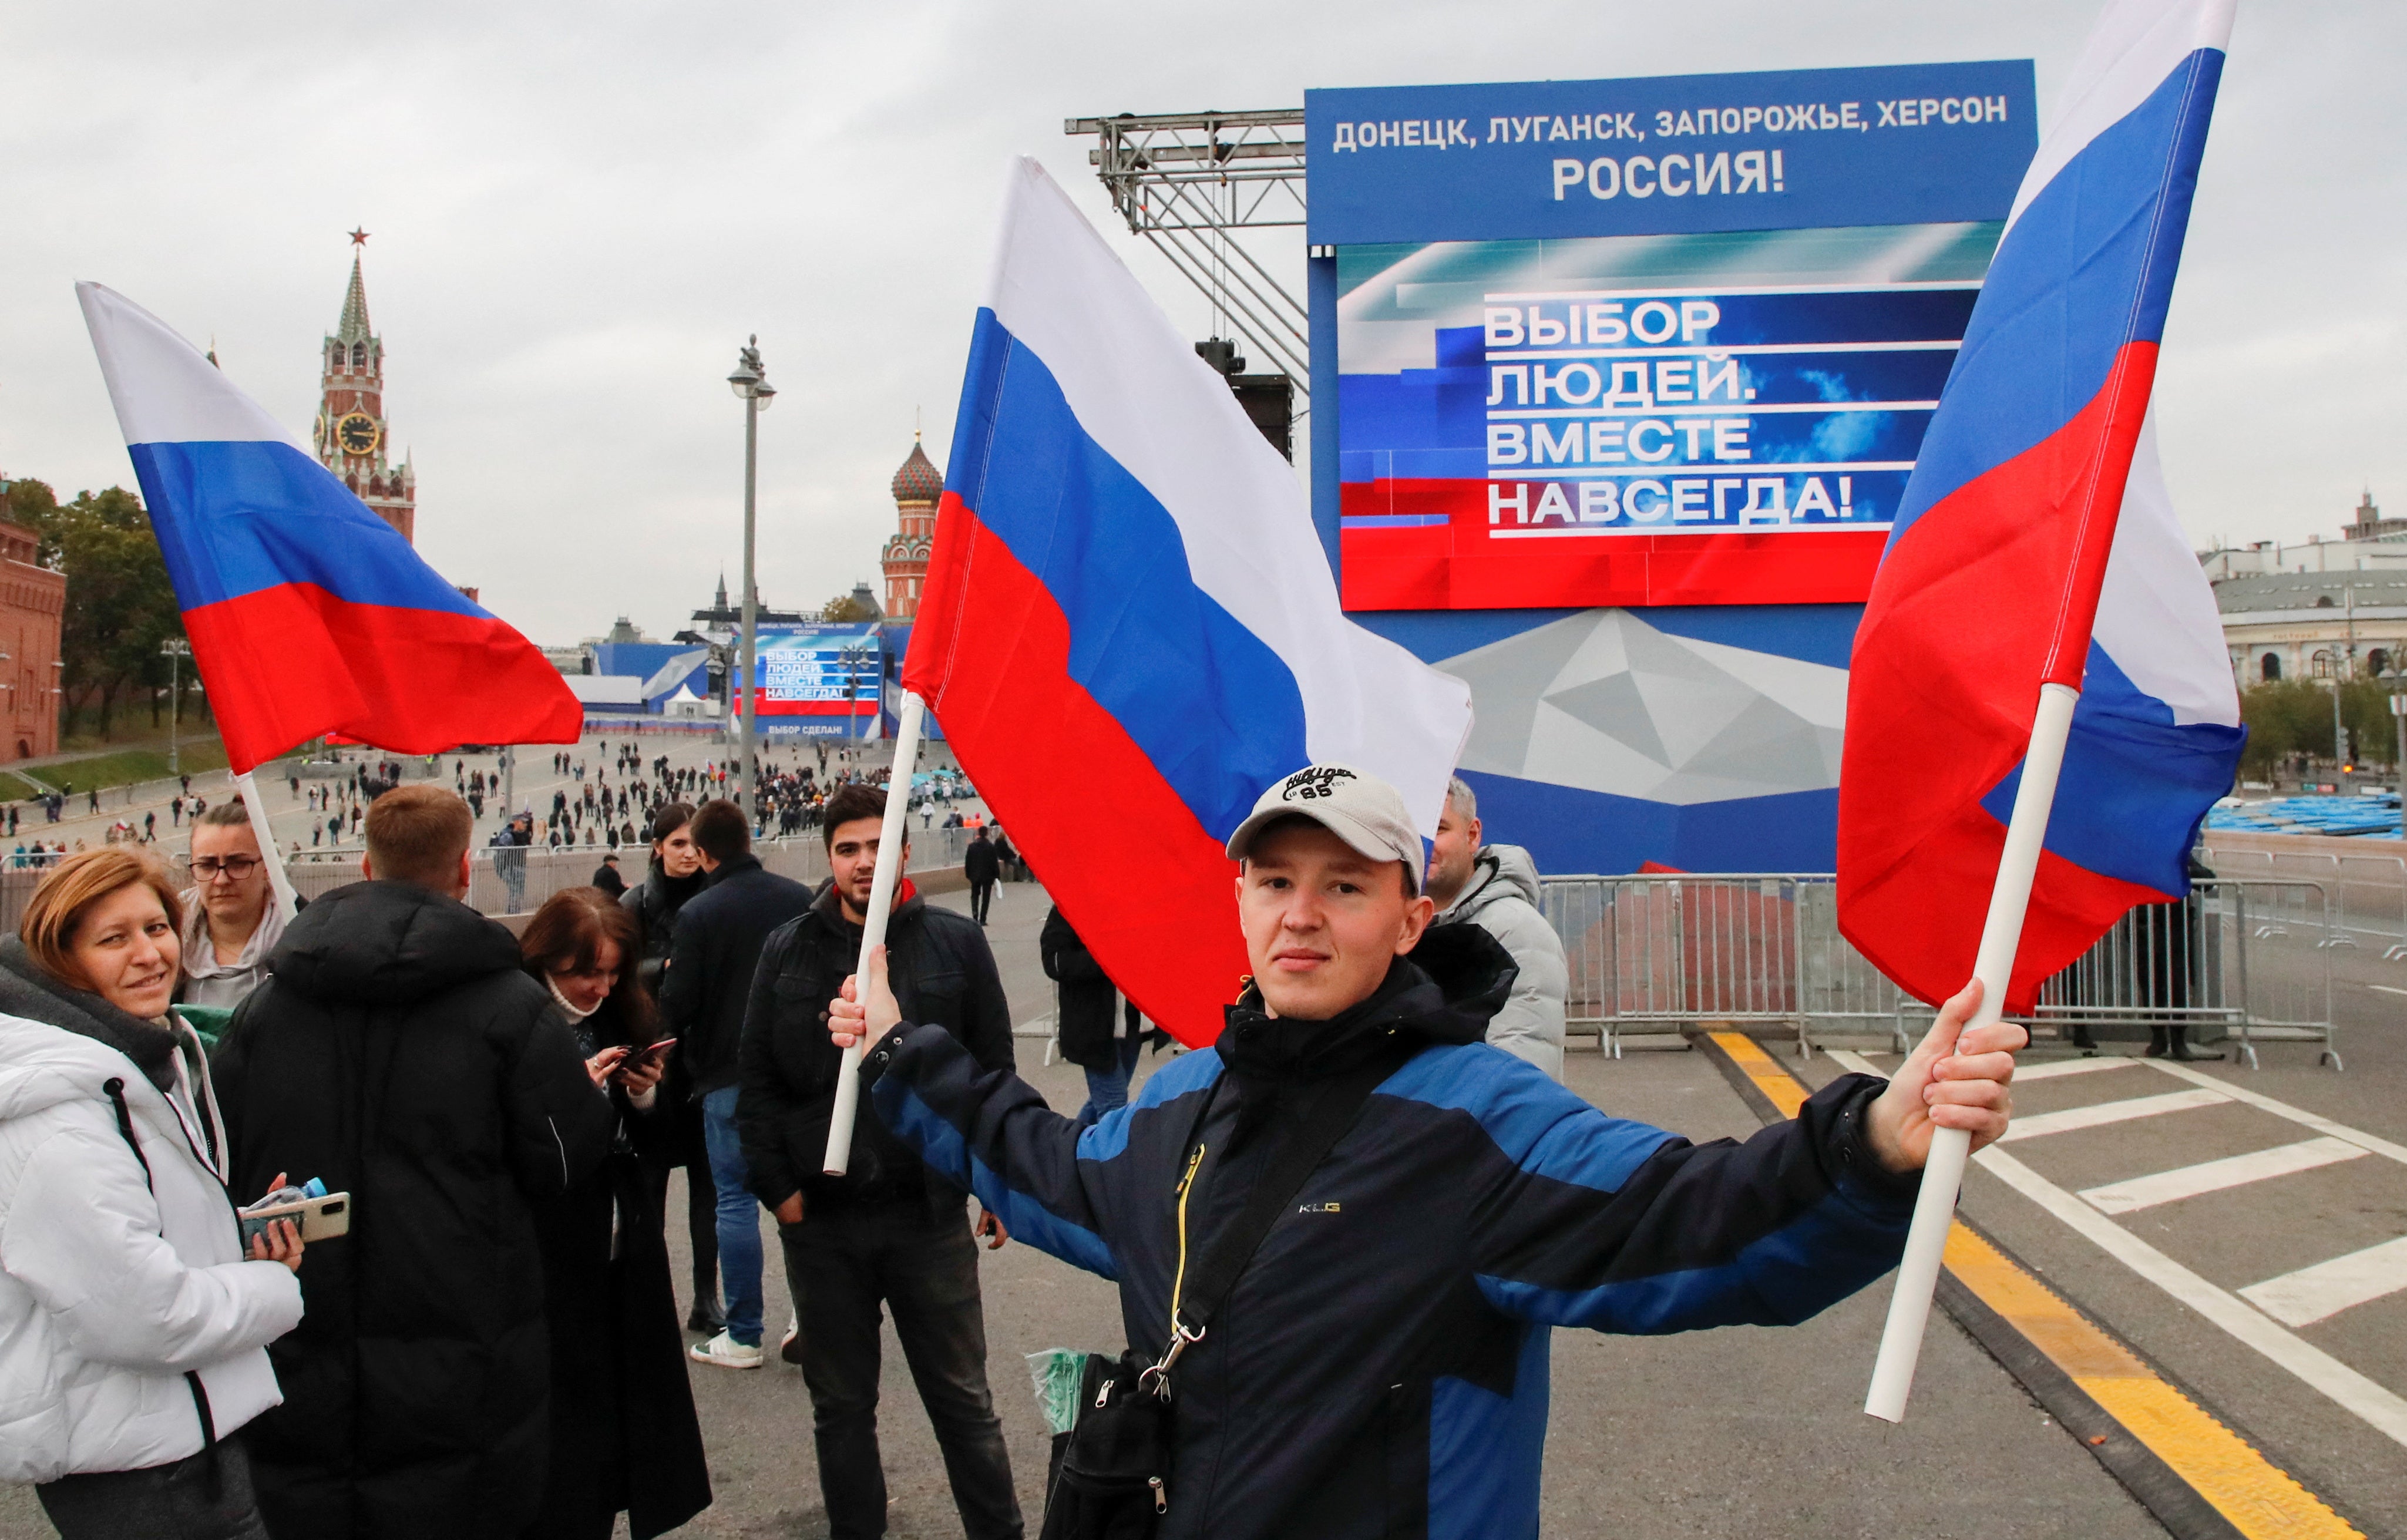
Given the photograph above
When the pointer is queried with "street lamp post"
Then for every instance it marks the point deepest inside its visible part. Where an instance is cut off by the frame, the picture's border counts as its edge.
(174, 649)
(752, 386)
(2396, 673)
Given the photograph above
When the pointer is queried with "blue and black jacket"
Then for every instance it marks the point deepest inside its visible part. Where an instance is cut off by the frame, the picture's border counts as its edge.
(1381, 1367)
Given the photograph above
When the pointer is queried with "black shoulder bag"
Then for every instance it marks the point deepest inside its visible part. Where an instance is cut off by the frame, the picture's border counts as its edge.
(1113, 1479)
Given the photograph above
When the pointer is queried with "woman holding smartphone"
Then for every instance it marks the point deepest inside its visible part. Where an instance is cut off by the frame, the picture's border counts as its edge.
(624, 1437)
(134, 1329)
(676, 876)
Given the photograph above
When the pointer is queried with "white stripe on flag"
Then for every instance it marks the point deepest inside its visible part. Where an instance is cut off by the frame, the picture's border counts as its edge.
(1140, 393)
(166, 391)
(2156, 616)
(2135, 45)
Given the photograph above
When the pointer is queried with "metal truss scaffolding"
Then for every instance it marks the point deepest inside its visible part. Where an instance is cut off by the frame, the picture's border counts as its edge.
(1187, 181)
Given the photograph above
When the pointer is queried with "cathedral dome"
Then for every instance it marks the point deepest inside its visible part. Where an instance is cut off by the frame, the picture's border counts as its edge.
(917, 481)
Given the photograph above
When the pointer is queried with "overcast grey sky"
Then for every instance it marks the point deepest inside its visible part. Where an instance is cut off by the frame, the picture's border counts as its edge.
(579, 211)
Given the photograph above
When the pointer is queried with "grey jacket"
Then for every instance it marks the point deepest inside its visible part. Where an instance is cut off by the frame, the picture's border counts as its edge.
(1502, 898)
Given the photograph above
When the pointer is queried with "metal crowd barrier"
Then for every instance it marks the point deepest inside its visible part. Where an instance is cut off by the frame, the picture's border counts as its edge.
(2369, 887)
(2242, 959)
(802, 856)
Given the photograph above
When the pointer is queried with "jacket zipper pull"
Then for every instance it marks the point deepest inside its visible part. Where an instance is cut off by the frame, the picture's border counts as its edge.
(1160, 1498)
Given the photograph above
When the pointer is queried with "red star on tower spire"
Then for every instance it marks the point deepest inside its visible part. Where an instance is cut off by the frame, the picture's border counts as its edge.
(359, 237)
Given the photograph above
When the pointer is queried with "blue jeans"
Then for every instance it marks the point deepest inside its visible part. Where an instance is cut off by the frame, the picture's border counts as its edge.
(1107, 1088)
(739, 1216)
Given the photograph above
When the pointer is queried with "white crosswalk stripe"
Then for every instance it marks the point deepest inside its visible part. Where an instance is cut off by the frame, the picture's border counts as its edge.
(2215, 1175)
(2313, 1294)
(2049, 1071)
(2103, 1113)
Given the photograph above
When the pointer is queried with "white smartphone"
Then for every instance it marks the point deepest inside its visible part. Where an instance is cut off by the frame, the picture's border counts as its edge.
(319, 1219)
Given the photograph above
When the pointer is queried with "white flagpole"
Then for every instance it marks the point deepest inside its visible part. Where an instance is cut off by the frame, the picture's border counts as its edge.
(890, 837)
(278, 878)
(2001, 934)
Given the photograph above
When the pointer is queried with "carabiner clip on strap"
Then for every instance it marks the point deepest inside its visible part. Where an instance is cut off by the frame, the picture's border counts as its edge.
(1181, 1336)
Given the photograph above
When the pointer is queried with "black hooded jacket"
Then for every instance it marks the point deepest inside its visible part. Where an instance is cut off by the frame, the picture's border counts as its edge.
(943, 974)
(1380, 1368)
(655, 902)
(399, 1053)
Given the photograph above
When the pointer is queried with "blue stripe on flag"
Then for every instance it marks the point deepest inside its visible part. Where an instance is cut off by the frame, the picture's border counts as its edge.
(1216, 711)
(2059, 302)
(2135, 785)
(236, 518)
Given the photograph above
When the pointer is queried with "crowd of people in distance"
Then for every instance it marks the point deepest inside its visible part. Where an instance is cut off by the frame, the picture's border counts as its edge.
(488, 1344)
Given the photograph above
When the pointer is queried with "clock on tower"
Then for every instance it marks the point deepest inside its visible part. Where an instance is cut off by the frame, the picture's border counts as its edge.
(353, 433)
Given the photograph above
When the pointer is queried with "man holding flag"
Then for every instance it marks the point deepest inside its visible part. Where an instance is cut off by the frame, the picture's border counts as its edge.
(1379, 1367)
(1392, 1212)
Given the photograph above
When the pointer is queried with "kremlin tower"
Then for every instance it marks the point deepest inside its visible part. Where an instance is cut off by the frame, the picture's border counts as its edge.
(353, 433)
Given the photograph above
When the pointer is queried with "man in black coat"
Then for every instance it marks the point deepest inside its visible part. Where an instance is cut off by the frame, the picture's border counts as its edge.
(889, 1232)
(1085, 1015)
(982, 863)
(606, 877)
(398, 1054)
(703, 993)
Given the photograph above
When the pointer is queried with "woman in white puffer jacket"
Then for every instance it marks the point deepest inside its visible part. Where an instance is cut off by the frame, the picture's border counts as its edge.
(132, 1329)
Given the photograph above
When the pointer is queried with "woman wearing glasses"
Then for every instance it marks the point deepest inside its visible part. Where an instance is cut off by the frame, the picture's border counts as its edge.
(230, 923)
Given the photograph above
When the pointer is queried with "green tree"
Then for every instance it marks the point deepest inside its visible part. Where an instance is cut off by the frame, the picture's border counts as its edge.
(2295, 717)
(120, 605)
(2365, 710)
(847, 607)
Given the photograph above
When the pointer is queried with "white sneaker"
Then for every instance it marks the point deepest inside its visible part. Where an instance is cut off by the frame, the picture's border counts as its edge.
(789, 1346)
(726, 1352)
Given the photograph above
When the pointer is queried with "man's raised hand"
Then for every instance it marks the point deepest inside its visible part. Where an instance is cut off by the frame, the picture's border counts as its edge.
(1954, 1079)
(866, 1013)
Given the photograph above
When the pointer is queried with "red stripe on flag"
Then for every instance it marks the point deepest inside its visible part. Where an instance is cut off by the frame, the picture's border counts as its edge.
(284, 665)
(1967, 615)
(1147, 889)
(1921, 925)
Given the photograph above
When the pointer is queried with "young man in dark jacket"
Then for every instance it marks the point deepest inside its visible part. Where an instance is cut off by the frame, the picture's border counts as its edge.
(702, 991)
(1380, 1368)
(891, 1231)
(398, 1052)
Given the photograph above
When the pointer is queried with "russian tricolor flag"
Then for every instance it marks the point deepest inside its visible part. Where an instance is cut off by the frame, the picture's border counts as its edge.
(307, 614)
(1129, 628)
(2036, 544)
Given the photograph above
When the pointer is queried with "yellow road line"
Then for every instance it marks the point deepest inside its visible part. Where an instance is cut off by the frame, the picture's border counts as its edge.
(1787, 1093)
(2258, 1498)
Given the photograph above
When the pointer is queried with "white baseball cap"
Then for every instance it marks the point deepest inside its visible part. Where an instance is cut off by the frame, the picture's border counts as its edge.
(1355, 805)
